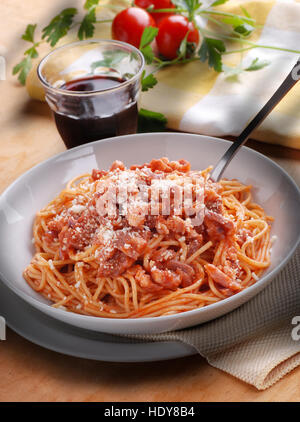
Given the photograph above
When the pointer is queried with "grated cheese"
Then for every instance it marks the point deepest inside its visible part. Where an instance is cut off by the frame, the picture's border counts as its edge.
(50, 262)
(77, 208)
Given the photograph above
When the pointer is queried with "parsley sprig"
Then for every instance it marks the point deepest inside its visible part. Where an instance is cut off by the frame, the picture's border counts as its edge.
(87, 26)
(58, 27)
(25, 65)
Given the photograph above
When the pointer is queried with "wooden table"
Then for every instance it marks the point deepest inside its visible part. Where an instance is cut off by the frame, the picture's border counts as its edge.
(30, 373)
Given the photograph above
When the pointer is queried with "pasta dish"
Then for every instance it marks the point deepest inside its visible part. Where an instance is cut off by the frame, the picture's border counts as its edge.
(146, 241)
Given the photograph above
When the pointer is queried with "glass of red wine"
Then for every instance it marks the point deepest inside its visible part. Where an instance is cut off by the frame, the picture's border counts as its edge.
(93, 88)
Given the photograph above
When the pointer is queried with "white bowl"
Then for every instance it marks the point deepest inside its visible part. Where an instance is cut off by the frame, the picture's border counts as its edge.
(272, 188)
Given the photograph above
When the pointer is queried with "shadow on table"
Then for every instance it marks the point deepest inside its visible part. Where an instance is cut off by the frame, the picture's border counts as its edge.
(56, 377)
(33, 108)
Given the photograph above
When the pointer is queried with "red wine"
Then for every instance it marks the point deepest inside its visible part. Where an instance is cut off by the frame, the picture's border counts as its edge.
(102, 114)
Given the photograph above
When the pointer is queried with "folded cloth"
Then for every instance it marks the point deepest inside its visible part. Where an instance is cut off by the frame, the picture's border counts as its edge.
(257, 342)
(197, 99)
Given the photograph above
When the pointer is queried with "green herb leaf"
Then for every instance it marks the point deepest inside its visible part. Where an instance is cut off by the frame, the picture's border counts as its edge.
(32, 52)
(211, 50)
(233, 72)
(150, 121)
(186, 49)
(87, 27)
(23, 69)
(257, 65)
(189, 5)
(236, 20)
(218, 2)
(110, 59)
(148, 36)
(29, 33)
(148, 54)
(59, 26)
(90, 4)
(183, 46)
(240, 25)
(247, 14)
(182, 4)
(148, 81)
(244, 29)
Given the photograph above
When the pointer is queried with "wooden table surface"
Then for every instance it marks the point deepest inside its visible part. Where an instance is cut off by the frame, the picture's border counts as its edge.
(31, 373)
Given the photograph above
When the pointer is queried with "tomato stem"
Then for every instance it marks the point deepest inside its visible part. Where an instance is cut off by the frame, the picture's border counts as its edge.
(174, 10)
(241, 50)
(104, 21)
(219, 13)
(219, 23)
(254, 45)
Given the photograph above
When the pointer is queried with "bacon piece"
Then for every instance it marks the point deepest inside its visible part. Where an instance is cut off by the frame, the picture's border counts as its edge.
(176, 224)
(173, 224)
(161, 225)
(143, 279)
(194, 245)
(163, 164)
(117, 165)
(221, 278)
(103, 236)
(172, 275)
(137, 213)
(165, 278)
(231, 266)
(115, 265)
(213, 201)
(185, 272)
(163, 255)
(217, 226)
(131, 243)
(78, 232)
(181, 165)
(97, 174)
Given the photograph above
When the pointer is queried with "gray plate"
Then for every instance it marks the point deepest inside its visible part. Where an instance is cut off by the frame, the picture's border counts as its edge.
(60, 337)
(273, 189)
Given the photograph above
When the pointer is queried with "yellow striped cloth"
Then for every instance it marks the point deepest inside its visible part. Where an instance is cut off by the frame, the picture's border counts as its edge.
(196, 99)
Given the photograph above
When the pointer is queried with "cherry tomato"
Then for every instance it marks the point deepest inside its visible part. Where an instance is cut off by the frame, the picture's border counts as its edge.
(129, 25)
(158, 4)
(171, 32)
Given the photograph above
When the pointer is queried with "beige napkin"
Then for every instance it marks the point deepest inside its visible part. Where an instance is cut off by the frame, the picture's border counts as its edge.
(254, 343)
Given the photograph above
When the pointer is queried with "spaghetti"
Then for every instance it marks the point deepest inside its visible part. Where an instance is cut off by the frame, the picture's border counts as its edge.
(102, 253)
